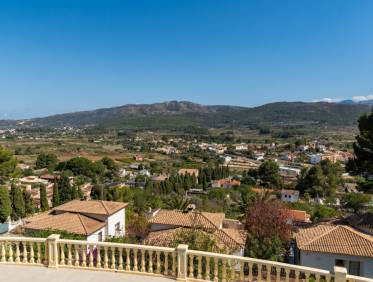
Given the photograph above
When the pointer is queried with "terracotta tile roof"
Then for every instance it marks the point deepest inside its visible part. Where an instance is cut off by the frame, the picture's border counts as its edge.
(298, 215)
(69, 222)
(165, 238)
(179, 218)
(91, 207)
(335, 239)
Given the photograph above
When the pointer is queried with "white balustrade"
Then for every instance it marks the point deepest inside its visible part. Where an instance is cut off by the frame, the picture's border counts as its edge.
(180, 263)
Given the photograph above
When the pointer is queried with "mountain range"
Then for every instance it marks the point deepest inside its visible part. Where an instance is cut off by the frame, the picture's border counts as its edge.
(183, 114)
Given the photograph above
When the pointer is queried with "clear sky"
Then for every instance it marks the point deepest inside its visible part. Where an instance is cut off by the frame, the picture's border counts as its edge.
(61, 56)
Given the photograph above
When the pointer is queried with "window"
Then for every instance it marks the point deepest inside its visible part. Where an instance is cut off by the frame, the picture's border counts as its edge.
(354, 268)
(100, 236)
(340, 262)
(117, 228)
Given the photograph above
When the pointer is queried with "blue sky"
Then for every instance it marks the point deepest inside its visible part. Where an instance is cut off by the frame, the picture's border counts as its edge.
(63, 56)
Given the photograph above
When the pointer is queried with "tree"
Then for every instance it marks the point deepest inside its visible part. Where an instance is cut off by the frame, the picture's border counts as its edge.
(44, 206)
(7, 162)
(5, 205)
(56, 195)
(355, 201)
(18, 203)
(66, 191)
(362, 163)
(45, 160)
(267, 230)
(29, 203)
(321, 179)
(268, 173)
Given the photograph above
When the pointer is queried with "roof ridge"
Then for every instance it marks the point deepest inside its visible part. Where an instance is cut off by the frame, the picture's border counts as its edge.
(81, 221)
(321, 235)
(360, 234)
(106, 209)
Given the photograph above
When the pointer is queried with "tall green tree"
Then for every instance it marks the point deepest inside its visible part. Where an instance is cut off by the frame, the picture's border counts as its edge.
(56, 195)
(363, 149)
(18, 203)
(5, 205)
(356, 201)
(29, 203)
(44, 206)
(7, 162)
(268, 173)
(66, 189)
(45, 160)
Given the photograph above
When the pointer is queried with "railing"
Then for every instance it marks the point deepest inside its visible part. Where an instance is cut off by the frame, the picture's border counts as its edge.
(180, 263)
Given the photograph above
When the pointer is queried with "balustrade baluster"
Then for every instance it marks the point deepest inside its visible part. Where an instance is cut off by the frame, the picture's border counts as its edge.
(166, 263)
(98, 257)
(32, 254)
(297, 275)
(106, 258)
(307, 274)
(3, 252)
(191, 266)
(25, 258)
(18, 255)
(317, 276)
(135, 262)
(233, 269)
(224, 271)
(268, 273)
(91, 250)
(76, 249)
(10, 252)
(151, 270)
(207, 277)
(69, 255)
(158, 270)
(120, 262)
(142, 260)
(250, 271)
(113, 258)
(62, 254)
(173, 264)
(199, 267)
(216, 269)
(38, 260)
(287, 273)
(128, 261)
(242, 266)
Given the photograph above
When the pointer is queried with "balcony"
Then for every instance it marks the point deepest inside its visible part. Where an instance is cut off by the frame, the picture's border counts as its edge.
(66, 260)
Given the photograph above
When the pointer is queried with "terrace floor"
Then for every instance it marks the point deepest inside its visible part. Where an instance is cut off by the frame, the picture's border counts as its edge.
(19, 273)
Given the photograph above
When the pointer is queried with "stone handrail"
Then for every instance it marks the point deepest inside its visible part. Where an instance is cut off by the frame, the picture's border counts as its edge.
(179, 263)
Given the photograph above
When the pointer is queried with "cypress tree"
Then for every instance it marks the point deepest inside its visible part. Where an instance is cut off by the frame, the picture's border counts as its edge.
(5, 205)
(29, 203)
(56, 196)
(44, 206)
(18, 203)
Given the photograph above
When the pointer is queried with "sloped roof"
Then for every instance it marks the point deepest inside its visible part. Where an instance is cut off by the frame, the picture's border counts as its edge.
(335, 239)
(69, 222)
(188, 219)
(165, 238)
(91, 207)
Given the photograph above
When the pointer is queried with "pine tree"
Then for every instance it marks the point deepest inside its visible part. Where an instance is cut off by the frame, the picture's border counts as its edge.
(18, 203)
(5, 205)
(65, 189)
(44, 206)
(29, 203)
(56, 196)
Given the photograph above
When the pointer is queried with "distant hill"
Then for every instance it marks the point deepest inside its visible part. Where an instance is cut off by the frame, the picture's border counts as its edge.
(178, 115)
(352, 102)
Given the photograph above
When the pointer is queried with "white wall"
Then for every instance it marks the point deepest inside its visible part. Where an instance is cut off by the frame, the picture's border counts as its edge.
(119, 216)
(93, 238)
(327, 261)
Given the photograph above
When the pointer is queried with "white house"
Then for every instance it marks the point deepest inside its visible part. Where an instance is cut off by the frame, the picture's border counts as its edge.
(289, 171)
(325, 246)
(95, 220)
(289, 196)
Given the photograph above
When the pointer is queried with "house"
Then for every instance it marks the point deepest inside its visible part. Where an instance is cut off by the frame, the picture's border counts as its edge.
(296, 217)
(225, 183)
(166, 224)
(286, 171)
(289, 196)
(138, 158)
(190, 171)
(145, 172)
(241, 147)
(95, 220)
(326, 246)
